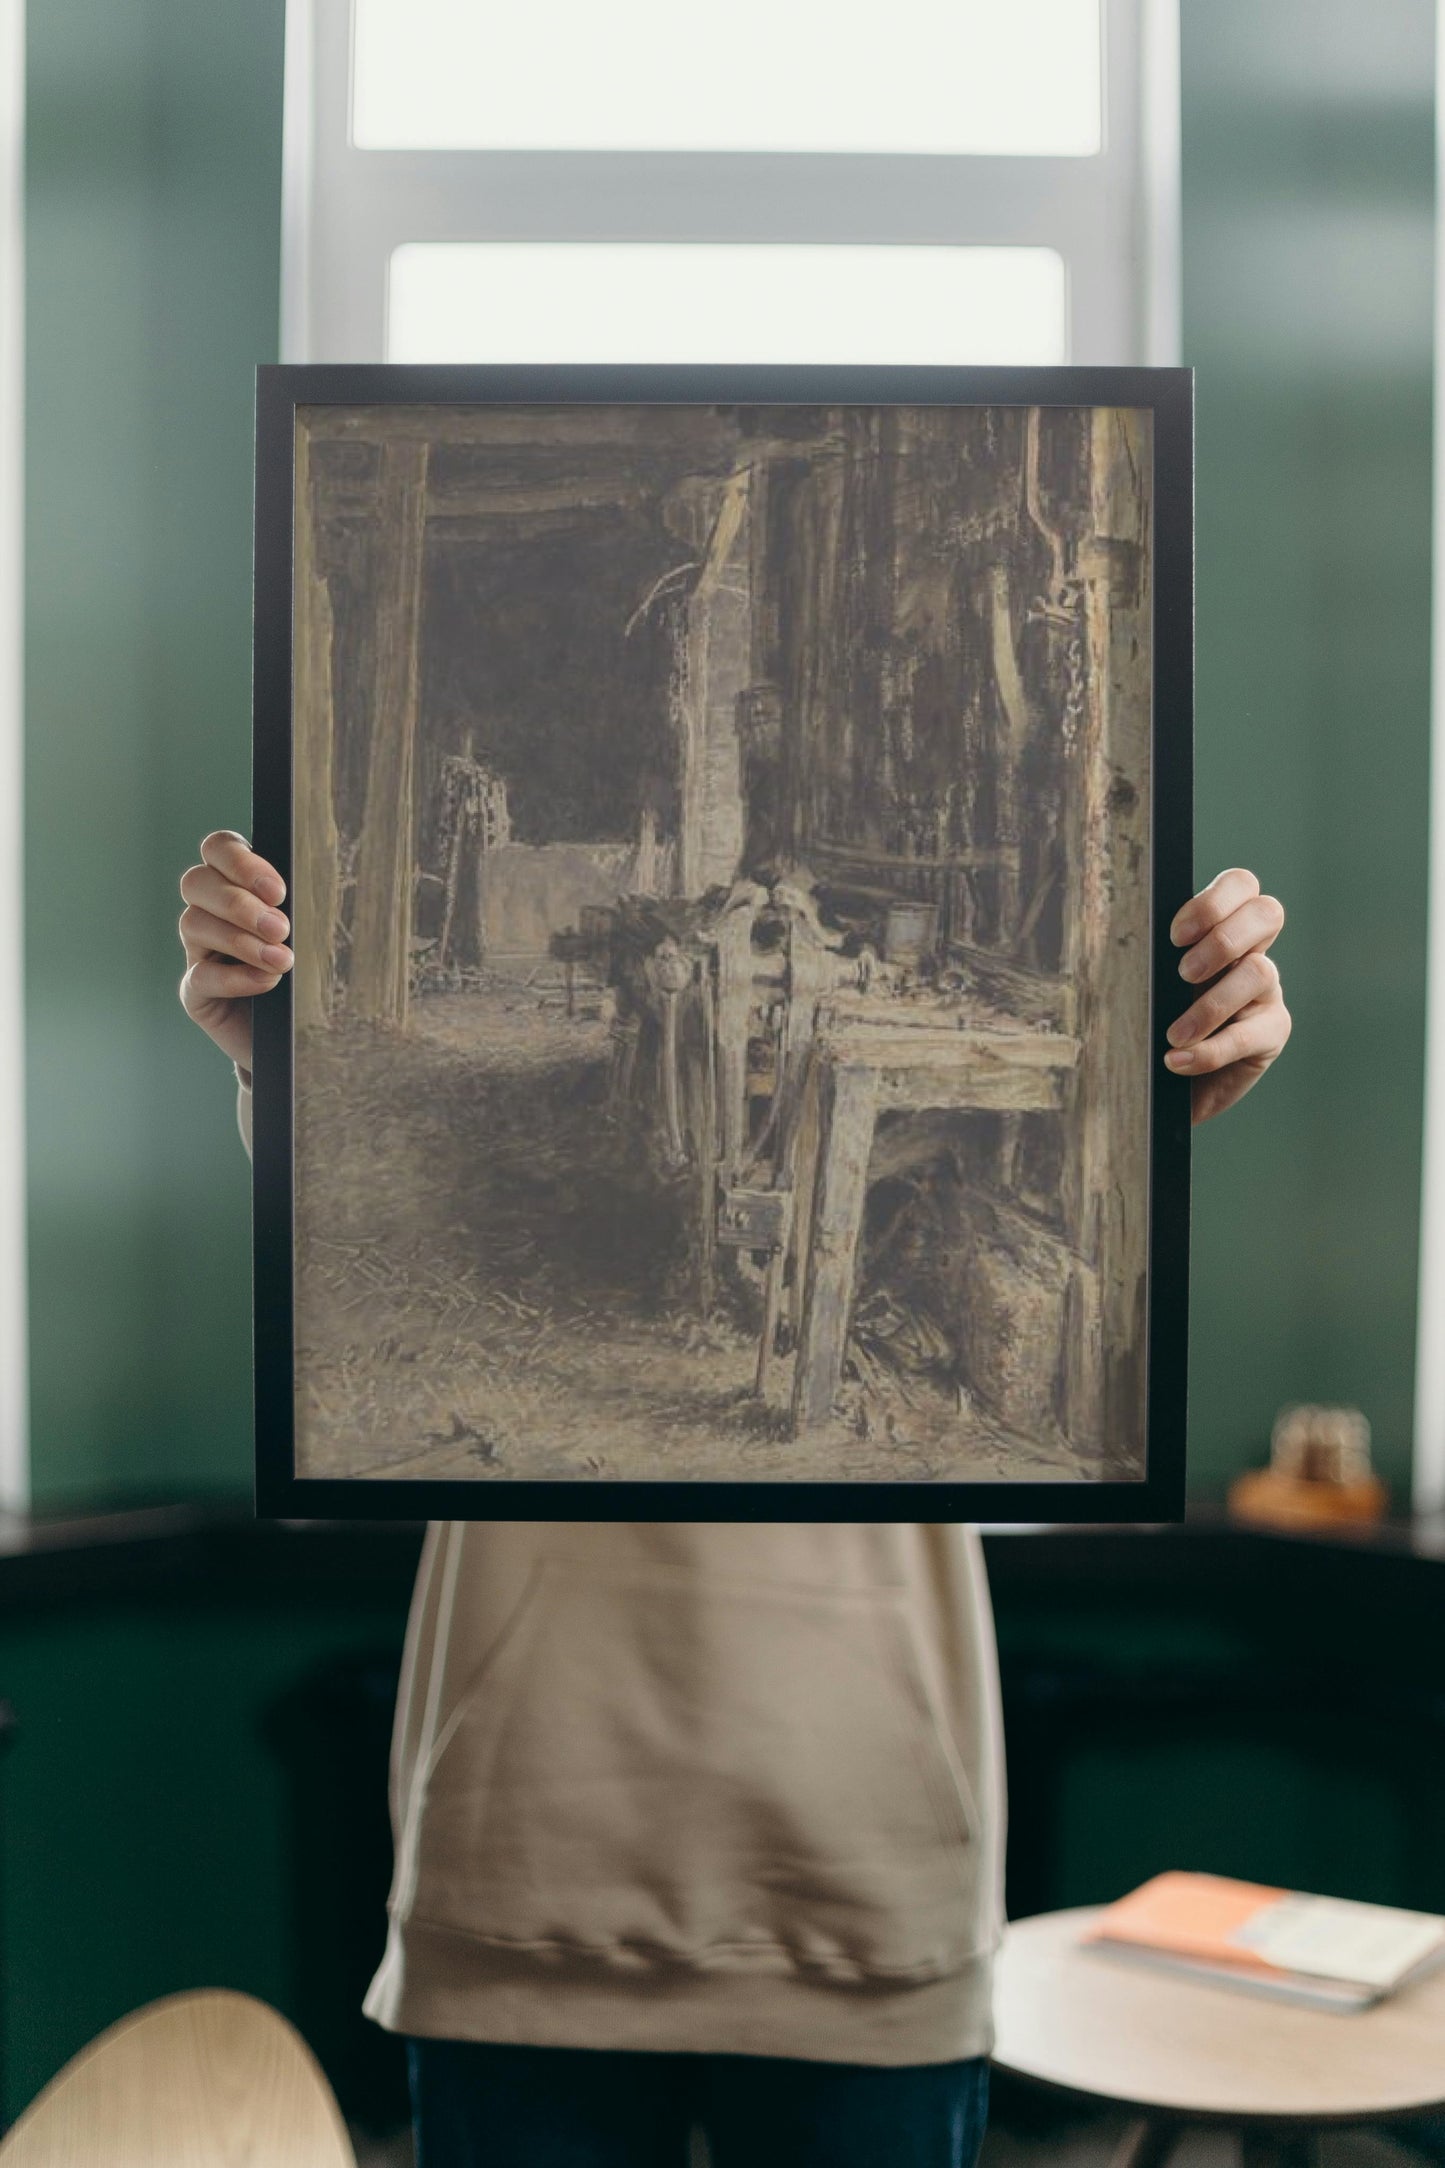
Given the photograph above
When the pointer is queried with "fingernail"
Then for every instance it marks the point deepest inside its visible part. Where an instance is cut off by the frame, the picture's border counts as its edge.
(276, 959)
(271, 888)
(1191, 968)
(1181, 931)
(274, 924)
(1184, 1059)
(1179, 1034)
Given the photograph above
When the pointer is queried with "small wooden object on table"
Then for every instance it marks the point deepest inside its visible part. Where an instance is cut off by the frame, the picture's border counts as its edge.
(1179, 2052)
(1319, 1473)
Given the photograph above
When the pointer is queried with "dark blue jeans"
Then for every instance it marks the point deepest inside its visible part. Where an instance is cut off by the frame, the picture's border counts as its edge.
(478, 2106)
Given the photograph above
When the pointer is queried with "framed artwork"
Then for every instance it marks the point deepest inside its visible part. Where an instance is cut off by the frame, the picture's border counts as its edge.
(732, 819)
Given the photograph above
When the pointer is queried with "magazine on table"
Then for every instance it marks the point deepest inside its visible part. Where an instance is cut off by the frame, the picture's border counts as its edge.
(1327, 1952)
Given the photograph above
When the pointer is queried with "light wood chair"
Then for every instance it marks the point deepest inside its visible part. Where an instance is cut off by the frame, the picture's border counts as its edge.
(206, 2080)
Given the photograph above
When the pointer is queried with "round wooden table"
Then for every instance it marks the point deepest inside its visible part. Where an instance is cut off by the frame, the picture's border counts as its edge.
(1182, 2052)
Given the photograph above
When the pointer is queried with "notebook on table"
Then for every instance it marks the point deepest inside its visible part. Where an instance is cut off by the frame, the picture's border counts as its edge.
(1330, 1953)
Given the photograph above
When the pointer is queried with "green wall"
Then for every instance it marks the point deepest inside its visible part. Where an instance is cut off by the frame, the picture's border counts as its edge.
(154, 148)
(1308, 235)
(149, 1840)
(153, 182)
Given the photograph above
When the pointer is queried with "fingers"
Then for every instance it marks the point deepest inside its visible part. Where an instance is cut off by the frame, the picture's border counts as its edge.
(1228, 1036)
(1257, 1034)
(234, 938)
(1225, 893)
(208, 890)
(1254, 924)
(212, 979)
(204, 934)
(233, 858)
(1256, 979)
(1211, 1095)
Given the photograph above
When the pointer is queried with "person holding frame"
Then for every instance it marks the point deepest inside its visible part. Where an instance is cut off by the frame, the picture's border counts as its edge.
(680, 1844)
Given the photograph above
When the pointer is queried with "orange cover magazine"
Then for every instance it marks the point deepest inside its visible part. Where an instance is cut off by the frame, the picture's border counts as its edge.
(1329, 1951)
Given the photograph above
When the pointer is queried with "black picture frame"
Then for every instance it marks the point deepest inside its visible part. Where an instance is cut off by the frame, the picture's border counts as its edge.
(1156, 1497)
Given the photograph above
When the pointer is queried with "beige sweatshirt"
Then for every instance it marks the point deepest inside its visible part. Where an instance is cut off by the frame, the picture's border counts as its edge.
(695, 1787)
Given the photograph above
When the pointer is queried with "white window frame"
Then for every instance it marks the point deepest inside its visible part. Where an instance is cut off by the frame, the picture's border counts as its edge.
(14, 1434)
(1428, 1463)
(1112, 217)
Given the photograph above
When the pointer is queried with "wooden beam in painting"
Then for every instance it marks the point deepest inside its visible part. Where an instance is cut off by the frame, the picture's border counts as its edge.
(471, 509)
(381, 921)
(1018, 725)
(524, 524)
(644, 430)
(1105, 1175)
(952, 1068)
(850, 1102)
(313, 905)
(981, 1087)
(961, 861)
(717, 665)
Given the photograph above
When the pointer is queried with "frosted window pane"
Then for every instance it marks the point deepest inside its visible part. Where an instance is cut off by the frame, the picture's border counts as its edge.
(633, 302)
(1008, 77)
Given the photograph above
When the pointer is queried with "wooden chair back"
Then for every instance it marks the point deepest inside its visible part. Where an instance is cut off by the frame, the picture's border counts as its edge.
(204, 2080)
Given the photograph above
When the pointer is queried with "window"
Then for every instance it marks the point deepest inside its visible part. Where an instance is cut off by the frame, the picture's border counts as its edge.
(1021, 79)
(14, 1457)
(457, 188)
(1429, 1457)
(711, 301)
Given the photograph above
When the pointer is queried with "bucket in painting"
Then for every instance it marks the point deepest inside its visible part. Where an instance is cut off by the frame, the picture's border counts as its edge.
(910, 931)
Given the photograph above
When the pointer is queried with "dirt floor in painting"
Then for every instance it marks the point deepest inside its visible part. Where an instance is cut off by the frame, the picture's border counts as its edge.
(493, 1283)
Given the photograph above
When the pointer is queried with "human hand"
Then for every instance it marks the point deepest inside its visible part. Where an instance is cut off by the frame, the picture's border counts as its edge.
(234, 939)
(1227, 1038)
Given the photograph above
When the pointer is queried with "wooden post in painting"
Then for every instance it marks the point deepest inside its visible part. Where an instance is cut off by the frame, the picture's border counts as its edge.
(1013, 754)
(1107, 1173)
(716, 666)
(381, 920)
(313, 905)
(849, 1110)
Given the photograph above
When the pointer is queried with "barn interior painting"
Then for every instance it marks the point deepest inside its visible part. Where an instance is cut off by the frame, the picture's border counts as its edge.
(721, 892)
